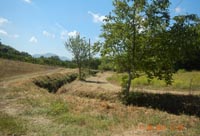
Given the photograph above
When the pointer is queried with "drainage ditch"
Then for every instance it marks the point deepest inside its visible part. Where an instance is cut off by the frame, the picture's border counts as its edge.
(53, 82)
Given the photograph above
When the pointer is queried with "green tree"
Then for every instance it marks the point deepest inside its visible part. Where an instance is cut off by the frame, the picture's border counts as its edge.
(132, 34)
(79, 48)
(186, 35)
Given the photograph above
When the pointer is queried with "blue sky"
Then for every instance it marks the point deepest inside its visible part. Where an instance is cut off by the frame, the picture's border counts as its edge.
(42, 26)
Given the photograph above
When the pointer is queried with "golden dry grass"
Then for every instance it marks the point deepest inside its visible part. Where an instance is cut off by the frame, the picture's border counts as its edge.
(41, 113)
(11, 68)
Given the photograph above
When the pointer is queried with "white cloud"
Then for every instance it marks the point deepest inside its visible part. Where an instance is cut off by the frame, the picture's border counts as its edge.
(2, 32)
(48, 34)
(33, 39)
(73, 33)
(178, 10)
(65, 34)
(28, 1)
(3, 21)
(96, 17)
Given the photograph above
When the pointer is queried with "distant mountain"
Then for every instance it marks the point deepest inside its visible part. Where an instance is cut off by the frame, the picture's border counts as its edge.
(48, 55)
(63, 58)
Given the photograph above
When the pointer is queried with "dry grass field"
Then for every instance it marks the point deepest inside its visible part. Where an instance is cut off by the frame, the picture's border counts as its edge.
(10, 68)
(78, 108)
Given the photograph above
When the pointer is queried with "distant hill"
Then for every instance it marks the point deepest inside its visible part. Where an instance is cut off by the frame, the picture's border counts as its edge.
(11, 53)
(8, 52)
(48, 55)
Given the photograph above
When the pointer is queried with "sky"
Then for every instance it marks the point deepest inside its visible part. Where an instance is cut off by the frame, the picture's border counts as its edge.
(43, 26)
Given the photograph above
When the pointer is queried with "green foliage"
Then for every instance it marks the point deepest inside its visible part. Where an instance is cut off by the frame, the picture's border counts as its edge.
(135, 38)
(106, 64)
(80, 50)
(8, 52)
(94, 63)
(185, 34)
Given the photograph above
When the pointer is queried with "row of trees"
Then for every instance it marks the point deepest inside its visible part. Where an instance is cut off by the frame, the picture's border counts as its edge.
(140, 37)
(8, 52)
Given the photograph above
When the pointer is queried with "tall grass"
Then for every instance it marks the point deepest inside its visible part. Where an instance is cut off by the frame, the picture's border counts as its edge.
(10, 125)
(182, 80)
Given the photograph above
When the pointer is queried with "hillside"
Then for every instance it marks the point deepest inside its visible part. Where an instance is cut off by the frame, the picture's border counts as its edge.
(81, 108)
(10, 68)
(10, 53)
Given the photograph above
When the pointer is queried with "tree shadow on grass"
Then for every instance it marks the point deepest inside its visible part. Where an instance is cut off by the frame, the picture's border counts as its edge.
(171, 103)
(95, 82)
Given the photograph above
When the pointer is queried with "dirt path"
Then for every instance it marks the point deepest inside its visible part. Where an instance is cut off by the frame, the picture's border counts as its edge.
(93, 87)
(100, 81)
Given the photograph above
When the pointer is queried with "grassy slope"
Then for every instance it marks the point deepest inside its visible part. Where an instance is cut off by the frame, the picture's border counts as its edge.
(29, 110)
(11, 68)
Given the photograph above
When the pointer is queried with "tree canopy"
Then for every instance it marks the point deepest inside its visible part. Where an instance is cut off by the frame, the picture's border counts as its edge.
(136, 36)
(80, 49)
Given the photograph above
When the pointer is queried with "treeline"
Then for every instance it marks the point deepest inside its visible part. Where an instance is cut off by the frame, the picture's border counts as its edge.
(8, 52)
(185, 35)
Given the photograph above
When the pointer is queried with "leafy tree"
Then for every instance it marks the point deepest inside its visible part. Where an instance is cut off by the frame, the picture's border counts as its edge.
(186, 35)
(106, 64)
(79, 48)
(135, 37)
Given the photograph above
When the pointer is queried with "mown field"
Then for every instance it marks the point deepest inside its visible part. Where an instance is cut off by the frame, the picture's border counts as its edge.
(10, 68)
(29, 109)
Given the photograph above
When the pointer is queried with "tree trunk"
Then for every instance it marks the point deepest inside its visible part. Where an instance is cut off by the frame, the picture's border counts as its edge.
(80, 72)
(126, 88)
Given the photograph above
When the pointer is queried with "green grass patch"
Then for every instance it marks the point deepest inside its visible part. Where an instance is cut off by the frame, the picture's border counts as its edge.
(10, 125)
(187, 80)
(48, 106)
(182, 80)
(87, 123)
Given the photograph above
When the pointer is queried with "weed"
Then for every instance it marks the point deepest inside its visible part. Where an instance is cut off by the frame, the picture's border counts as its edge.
(11, 125)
